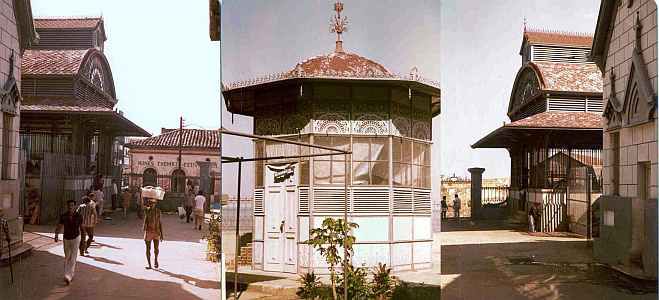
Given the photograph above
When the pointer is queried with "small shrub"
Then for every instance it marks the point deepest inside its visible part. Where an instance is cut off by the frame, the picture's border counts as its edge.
(311, 287)
(382, 284)
(358, 285)
(407, 291)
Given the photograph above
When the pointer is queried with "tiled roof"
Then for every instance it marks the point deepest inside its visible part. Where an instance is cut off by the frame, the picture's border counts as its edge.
(89, 104)
(341, 64)
(570, 77)
(554, 119)
(66, 22)
(558, 38)
(192, 138)
(52, 62)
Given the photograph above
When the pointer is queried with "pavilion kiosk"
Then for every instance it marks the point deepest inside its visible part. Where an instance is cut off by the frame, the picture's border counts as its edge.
(341, 100)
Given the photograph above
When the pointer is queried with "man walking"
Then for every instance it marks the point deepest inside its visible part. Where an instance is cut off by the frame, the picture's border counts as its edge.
(199, 200)
(125, 200)
(98, 193)
(444, 207)
(152, 231)
(87, 211)
(189, 203)
(456, 207)
(71, 221)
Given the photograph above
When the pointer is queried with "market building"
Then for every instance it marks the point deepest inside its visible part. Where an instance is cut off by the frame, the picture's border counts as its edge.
(69, 122)
(555, 135)
(625, 50)
(154, 161)
(342, 100)
(18, 34)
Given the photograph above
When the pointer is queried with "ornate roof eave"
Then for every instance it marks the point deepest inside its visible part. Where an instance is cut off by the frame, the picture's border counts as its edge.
(28, 35)
(603, 31)
(261, 81)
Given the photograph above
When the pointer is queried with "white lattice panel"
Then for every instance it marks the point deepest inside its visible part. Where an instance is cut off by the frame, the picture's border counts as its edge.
(370, 200)
(403, 203)
(258, 202)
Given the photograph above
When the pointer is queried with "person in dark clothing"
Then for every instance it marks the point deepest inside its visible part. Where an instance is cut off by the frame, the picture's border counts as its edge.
(71, 221)
(189, 204)
(444, 207)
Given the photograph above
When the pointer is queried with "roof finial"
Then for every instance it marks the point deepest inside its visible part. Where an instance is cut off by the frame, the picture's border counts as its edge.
(524, 23)
(338, 25)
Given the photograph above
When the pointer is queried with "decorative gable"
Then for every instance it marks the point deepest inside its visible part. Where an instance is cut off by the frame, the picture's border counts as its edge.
(10, 95)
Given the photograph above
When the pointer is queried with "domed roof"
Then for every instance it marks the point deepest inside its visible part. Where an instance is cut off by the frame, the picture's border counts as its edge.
(340, 64)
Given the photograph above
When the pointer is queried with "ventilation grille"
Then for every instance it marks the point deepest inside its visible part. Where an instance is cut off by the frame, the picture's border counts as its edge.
(422, 201)
(403, 201)
(258, 202)
(560, 54)
(328, 201)
(370, 201)
(595, 105)
(303, 208)
(567, 105)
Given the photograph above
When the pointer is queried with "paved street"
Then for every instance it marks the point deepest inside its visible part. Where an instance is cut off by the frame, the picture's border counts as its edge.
(115, 267)
(491, 260)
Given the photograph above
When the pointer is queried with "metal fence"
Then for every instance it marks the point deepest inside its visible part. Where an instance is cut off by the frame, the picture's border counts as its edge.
(246, 214)
(495, 195)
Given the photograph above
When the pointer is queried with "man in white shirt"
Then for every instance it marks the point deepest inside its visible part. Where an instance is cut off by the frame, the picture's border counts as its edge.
(99, 203)
(199, 202)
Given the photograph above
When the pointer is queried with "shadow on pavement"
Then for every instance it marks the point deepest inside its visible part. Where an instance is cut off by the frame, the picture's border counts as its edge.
(40, 276)
(205, 284)
(104, 260)
(467, 224)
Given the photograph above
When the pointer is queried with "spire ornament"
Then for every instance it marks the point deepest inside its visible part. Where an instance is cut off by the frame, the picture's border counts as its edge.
(338, 25)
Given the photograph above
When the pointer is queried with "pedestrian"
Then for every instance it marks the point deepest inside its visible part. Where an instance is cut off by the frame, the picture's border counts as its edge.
(531, 218)
(152, 231)
(88, 212)
(115, 195)
(125, 200)
(137, 195)
(456, 207)
(444, 207)
(71, 221)
(99, 203)
(200, 201)
(189, 204)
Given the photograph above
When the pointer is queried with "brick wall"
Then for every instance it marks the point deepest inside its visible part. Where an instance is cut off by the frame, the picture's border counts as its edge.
(9, 189)
(637, 143)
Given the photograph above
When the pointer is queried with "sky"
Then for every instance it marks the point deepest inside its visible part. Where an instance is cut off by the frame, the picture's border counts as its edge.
(480, 43)
(165, 66)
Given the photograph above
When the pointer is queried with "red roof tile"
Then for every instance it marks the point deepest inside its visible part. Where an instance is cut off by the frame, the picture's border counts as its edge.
(341, 64)
(570, 77)
(554, 119)
(52, 62)
(71, 108)
(88, 104)
(558, 38)
(192, 138)
(67, 22)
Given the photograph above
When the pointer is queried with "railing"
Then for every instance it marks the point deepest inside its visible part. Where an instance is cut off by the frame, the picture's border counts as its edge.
(494, 195)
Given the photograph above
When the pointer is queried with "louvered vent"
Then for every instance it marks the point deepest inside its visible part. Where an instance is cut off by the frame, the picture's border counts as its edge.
(370, 200)
(560, 54)
(403, 201)
(329, 201)
(595, 105)
(567, 105)
(422, 201)
(303, 203)
(258, 202)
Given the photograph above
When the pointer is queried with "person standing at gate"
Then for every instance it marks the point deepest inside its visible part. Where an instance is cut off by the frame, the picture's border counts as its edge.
(531, 218)
(444, 207)
(152, 231)
(98, 193)
(71, 221)
(200, 201)
(189, 203)
(125, 200)
(456, 207)
(88, 212)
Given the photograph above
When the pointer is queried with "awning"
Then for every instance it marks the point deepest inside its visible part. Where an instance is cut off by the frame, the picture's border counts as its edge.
(59, 120)
(509, 137)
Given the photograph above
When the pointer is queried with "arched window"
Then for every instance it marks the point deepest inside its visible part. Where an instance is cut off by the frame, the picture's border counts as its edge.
(150, 177)
(178, 181)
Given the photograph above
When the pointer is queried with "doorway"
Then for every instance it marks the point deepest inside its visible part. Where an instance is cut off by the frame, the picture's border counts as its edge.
(280, 249)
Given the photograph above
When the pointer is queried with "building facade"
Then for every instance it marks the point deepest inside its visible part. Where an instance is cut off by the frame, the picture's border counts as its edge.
(18, 34)
(625, 49)
(69, 123)
(341, 100)
(154, 161)
(555, 135)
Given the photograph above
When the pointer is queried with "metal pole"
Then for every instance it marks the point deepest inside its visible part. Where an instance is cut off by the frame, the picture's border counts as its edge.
(235, 255)
(345, 220)
(180, 150)
(589, 219)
